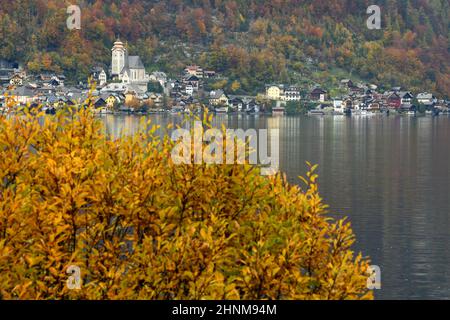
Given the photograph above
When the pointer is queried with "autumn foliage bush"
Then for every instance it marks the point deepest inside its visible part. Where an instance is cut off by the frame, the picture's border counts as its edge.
(140, 227)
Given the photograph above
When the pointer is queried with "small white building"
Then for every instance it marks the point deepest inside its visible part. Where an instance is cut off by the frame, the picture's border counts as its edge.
(189, 89)
(102, 78)
(291, 93)
(16, 80)
(426, 98)
(338, 105)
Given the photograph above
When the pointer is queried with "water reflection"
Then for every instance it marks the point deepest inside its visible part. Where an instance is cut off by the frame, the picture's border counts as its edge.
(389, 175)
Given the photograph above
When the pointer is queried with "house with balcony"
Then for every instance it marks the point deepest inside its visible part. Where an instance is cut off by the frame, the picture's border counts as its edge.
(218, 98)
(291, 93)
(318, 94)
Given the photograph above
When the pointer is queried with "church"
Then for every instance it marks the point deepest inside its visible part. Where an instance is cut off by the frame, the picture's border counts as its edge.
(128, 69)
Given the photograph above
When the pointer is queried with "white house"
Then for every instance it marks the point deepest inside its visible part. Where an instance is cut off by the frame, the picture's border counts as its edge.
(426, 98)
(189, 89)
(291, 93)
(406, 97)
(338, 105)
(102, 78)
(218, 97)
(16, 80)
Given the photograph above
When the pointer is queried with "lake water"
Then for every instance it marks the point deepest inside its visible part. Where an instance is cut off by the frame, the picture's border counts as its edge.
(389, 175)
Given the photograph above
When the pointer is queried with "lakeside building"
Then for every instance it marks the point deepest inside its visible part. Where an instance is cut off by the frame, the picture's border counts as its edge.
(126, 68)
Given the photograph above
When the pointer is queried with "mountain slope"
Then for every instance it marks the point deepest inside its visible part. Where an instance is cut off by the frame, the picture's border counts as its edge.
(251, 41)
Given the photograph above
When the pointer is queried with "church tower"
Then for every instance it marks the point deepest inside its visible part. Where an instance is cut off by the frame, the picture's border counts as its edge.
(119, 54)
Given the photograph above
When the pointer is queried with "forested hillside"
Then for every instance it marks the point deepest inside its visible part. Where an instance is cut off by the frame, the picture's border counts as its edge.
(251, 41)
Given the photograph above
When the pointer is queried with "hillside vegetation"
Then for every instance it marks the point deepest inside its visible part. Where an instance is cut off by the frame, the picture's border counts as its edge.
(251, 41)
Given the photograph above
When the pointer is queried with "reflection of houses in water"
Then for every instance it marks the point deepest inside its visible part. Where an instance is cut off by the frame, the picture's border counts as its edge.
(117, 126)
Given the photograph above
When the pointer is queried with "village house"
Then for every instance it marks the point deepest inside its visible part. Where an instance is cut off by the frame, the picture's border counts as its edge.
(102, 78)
(274, 92)
(160, 77)
(100, 103)
(111, 100)
(357, 90)
(7, 70)
(194, 70)
(318, 94)
(209, 74)
(62, 102)
(338, 105)
(237, 104)
(98, 74)
(346, 84)
(189, 89)
(193, 81)
(115, 87)
(45, 77)
(349, 104)
(394, 100)
(23, 95)
(426, 98)
(253, 107)
(16, 80)
(5, 76)
(56, 82)
(375, 105)
(291, 93)
(406, 97)
(218, 98)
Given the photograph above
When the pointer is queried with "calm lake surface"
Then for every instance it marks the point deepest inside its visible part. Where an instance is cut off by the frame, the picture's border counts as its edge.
(389, 175)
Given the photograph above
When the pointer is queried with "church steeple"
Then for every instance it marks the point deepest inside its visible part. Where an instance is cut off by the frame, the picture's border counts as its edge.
(118, 57)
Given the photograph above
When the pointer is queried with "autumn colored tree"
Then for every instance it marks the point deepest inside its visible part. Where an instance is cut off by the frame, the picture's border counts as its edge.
(138, 226)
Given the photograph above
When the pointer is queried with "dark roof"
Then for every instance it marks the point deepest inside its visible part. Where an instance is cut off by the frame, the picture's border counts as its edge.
(96, 69)
(402, 94)
(5, 74)
(318, 91)
(216, 94)
(4, 64)
(22, 92)
(237, 100)
(52, 99)
(135, 62)
(393, 95)
(192, 78)
(100, 102)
